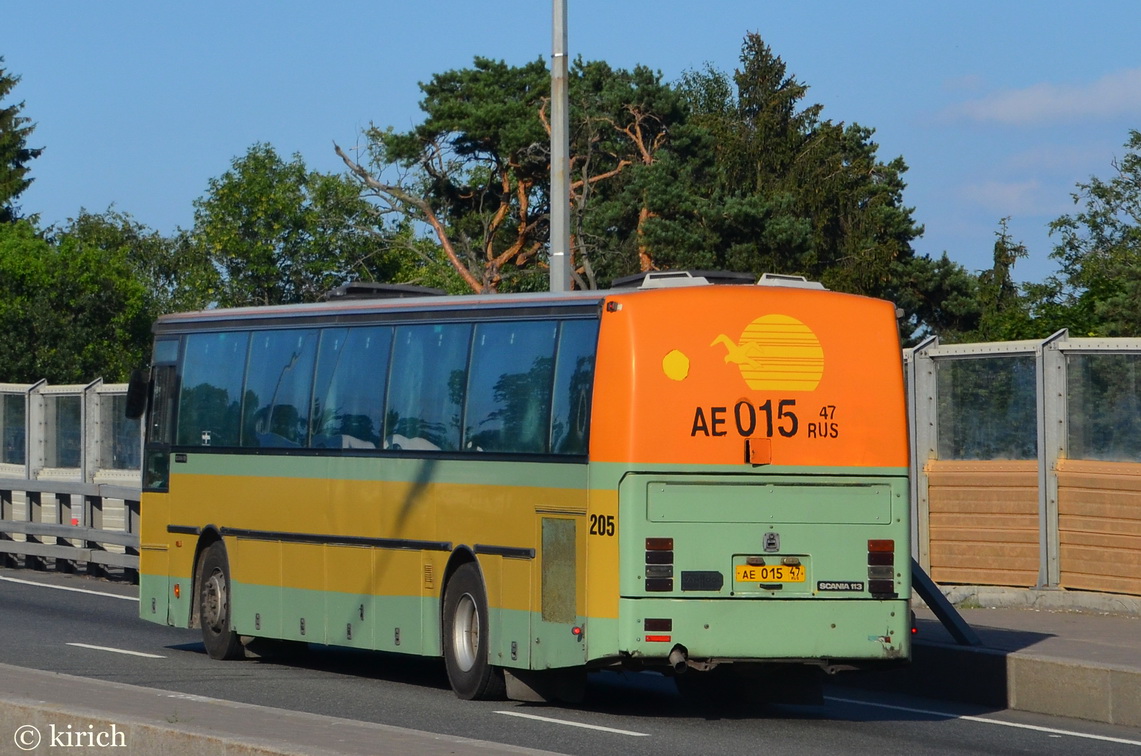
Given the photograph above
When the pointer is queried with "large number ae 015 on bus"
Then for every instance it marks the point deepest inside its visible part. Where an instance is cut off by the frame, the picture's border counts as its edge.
(706, 480)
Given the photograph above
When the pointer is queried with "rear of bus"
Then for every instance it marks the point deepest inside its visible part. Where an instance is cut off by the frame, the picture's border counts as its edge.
(749, 503)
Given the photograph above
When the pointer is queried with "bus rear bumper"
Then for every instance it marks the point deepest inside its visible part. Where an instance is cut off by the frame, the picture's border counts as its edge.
(833, 631)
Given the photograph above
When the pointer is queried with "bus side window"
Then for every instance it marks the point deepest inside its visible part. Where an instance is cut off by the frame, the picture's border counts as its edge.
(211, 389)
(426, 389)
(509, 388)
(574, 384)
(276, 401)
(348, 395)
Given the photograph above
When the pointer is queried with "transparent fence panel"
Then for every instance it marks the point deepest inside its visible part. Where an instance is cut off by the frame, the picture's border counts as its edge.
(1103, 417)
(121, 436)
(987, 408)
(13, 420)
(65, 419)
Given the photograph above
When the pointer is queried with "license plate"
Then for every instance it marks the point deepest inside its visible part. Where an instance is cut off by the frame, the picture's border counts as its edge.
(775, 573)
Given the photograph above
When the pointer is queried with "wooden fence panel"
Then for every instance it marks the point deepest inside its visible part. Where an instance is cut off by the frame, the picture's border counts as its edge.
(983, 522)
(1099, 525)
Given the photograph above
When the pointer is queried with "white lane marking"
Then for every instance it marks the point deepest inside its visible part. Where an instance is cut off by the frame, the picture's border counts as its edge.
(116, 650)
(575, 724)
(68, 588)
(986, 720)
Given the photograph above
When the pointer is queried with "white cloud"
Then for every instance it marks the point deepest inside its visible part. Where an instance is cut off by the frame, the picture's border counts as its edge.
(1114, 94)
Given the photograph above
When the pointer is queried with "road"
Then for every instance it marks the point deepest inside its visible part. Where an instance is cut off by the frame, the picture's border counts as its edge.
(89, 628)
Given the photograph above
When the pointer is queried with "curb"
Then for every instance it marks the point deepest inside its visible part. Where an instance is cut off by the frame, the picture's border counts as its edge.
(1013, 680)
(1059, 600)
(54, 711)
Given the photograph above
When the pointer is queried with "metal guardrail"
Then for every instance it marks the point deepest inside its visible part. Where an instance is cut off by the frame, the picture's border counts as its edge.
(33, 531)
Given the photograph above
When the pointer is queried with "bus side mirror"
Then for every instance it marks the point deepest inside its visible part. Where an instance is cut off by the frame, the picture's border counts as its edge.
(137, 391)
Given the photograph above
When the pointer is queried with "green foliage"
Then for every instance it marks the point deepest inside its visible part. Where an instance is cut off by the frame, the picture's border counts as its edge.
(937, 296)
(1004, 311)
(173, 270)
(14, 151)
(473, 172)
(72, 307)
(793, 193)
(1098, 291)
(277, 233)
(724, 172)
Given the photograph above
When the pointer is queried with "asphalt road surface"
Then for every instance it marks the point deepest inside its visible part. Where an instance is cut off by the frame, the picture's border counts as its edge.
(90, 628)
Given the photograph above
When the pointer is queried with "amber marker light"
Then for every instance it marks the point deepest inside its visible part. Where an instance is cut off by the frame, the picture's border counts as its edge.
(177, 590)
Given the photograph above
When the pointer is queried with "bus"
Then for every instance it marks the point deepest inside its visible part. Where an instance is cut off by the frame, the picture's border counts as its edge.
(705, 479)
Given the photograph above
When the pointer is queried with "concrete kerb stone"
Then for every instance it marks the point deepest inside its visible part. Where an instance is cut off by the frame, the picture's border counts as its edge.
(1072, 689)
(1014, 680)
(40, 712)
(42, 728)
(1059, 600)
(1022, 679)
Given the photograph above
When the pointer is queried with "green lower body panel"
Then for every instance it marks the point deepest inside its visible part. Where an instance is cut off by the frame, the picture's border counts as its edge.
(401, 624)
(855, 630)
(154, 602)
(406, 624)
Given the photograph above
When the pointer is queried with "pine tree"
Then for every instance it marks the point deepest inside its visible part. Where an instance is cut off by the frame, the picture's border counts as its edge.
(14, 151)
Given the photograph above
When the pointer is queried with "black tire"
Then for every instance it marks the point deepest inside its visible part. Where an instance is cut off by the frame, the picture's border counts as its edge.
(465, 636)
(214, 604)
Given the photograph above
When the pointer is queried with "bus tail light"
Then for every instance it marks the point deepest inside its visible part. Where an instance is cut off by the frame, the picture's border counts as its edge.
(658, 629)
(881, 567)
(659, 564)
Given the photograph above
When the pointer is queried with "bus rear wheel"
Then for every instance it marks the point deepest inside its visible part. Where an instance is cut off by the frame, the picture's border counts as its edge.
(466, 638)
(214, 604)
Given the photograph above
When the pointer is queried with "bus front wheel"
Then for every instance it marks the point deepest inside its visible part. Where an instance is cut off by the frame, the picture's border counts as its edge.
(214, 604)
(466, 637)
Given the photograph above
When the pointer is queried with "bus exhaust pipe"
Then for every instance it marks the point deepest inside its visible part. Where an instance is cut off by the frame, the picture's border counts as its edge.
(679, 659)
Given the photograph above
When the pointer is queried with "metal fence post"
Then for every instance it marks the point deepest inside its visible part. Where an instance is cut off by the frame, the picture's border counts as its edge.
(92, 438)
(132, 526)
(63, 517)
(93, 518)
(7, 514)
(1051, 369)
(36, 458)
(922, 408)
(33, 513)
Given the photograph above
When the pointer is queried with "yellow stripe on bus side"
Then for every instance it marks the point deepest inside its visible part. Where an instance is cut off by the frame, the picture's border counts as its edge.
(460, 514)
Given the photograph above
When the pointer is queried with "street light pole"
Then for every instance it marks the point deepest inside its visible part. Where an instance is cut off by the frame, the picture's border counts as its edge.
(560, 152)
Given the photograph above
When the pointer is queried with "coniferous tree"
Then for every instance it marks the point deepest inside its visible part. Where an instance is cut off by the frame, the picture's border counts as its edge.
(14, 151)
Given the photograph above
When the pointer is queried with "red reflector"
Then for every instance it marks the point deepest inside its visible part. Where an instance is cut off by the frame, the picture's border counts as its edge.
(883, 544)
(659, 544)
(657, 639)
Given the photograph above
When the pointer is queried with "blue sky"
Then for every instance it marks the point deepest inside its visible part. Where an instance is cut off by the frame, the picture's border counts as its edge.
(998, 108)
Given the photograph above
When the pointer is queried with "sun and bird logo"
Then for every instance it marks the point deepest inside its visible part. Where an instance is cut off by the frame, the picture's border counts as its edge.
(774, 353)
